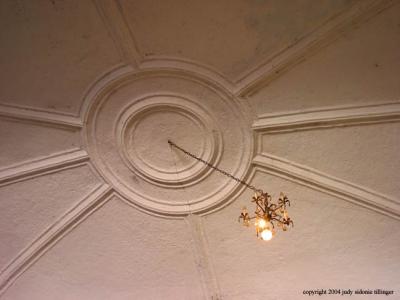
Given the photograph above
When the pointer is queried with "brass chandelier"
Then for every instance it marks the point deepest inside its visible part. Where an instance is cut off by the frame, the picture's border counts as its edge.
(267, 215)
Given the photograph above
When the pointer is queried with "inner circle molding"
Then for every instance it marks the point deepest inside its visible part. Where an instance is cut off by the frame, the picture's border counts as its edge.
(187, 175)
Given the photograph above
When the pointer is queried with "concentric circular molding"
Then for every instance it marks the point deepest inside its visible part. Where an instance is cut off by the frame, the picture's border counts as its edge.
(144, 129)
(129, 120)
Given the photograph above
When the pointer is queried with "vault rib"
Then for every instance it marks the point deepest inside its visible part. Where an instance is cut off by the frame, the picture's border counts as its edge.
(329, 117)
(328, 184)
(203, 259)
(41, 166)
(40, 116)
(114, 20)
(270, 69)
(27, 257)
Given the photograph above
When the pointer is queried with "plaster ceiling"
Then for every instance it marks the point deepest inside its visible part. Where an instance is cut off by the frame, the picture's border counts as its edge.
(232, 37)
(300, 97)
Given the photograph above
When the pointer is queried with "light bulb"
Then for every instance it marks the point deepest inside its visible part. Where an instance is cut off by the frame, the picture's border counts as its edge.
(262, 223)
(266, 235)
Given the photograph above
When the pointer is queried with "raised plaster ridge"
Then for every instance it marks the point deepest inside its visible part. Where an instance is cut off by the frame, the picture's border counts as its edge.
(28, 256)
(47, 117)
(156, 64)
(118, 75)
(329, 117)
(335, 186)
(41, 166)
(273, 67)
(188, 66)
(97, 88)
(112, 15)
(203, 261)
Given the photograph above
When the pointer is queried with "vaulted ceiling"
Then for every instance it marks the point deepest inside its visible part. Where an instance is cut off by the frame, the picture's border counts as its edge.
(300, 97)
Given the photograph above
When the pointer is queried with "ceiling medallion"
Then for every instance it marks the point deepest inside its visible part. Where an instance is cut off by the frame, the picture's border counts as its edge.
(267, 214)
(130, 117)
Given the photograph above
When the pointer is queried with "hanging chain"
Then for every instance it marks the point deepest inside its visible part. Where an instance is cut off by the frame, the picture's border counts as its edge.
(177, 177)
(172, 144)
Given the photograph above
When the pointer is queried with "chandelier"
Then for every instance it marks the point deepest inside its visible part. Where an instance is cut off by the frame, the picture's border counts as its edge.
(267, 215)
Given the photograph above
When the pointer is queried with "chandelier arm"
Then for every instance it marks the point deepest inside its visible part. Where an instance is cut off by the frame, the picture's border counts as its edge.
(263, 210)
(278, 220)
(258, 203)
(280, 206)
(287, 222)
(249, 186)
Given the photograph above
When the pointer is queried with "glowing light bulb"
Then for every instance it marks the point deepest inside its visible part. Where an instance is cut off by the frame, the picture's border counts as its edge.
(266, 235)
(262, 223)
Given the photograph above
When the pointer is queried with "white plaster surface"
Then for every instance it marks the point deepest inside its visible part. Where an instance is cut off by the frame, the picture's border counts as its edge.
(356, 153)
(29, 207)
(231, 36)
(118, 253)
(24, 141)
(51, 51)
(333, 244)
(363, 66)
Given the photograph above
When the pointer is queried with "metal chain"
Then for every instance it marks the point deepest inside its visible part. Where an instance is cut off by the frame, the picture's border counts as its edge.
(249, 186)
